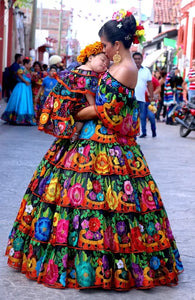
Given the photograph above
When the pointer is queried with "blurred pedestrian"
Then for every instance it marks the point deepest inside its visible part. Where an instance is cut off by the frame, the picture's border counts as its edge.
(47, 85)
(173, 94)
(191, 78)
(144, 82)
(161, 106)
(20, 109)
(37, 76)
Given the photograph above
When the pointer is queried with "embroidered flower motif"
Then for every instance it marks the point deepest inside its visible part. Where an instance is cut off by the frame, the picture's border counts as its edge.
(121, 227)
(128, 187)
(89, 235)
(64, 260)
(100, 197)
(88, 130)
(18, 244)
(52, 192)
(147, 198)
(63, 279)
(94, 224)
(62, 231)
(96, 186)
(28, 208)
(57, 105)
(73, 238)
(81, 82)
(51, 273)
(43, 229)
(85, 224)
(120, 264)
(76, 222)
(76, 194)
(102, 165)
(111, 198)
(85, 274)
(155, 263)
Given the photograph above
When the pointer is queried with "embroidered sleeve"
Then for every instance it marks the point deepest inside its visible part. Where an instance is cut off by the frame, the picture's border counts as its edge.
(117, 108)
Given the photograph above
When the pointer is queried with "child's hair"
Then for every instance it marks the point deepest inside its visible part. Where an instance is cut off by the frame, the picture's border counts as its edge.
(26, 61)
(37, 63)
(53, 67)
(92, 49)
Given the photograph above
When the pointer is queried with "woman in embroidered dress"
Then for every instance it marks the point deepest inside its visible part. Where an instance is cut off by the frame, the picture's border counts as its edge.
(20, 109)
(37, 78)
(92, 215)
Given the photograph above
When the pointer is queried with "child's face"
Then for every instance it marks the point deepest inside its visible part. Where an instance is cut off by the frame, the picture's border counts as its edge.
(99, 63)
(51, 72)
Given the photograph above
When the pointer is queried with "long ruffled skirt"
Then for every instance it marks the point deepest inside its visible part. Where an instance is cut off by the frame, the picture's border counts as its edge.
(92, 216)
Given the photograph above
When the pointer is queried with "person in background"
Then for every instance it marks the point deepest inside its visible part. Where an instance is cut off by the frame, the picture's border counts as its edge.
(191, 78)
(47, 85)
(56, 60)
(161, 105)
(14, 69)
(144, 82)
(20, 109)
(37, 76)
(45, 68)
(10, 78)
(150, 113)
(173, 94)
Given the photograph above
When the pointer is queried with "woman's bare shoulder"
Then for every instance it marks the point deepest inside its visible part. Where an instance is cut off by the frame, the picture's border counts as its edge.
(127, 75)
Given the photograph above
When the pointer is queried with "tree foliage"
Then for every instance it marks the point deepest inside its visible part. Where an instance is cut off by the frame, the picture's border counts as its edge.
(23, 3)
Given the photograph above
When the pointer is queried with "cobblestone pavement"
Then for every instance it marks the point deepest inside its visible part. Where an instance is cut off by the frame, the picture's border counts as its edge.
(172, 163)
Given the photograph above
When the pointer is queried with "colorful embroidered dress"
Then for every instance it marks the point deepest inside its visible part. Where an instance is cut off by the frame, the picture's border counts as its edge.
(65, 100)
(92, 215)
(20, 109)
(37, 79)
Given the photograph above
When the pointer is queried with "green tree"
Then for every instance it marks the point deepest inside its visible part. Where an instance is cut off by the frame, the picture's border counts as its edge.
(23, 3)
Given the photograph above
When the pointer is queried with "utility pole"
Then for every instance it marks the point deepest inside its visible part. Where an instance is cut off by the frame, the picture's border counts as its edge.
(60, 29)
(33, 25)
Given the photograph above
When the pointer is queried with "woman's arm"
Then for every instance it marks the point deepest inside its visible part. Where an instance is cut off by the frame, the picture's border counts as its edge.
(22, 79)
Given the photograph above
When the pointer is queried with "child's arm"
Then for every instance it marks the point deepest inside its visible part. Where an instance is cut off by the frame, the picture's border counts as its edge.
(87, 113)
(90, 99)
(41, 89)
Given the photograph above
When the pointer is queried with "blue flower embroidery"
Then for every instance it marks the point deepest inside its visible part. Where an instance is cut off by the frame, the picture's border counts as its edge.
(63, 279)
(103, 130)
(155, 263)
(129, 155)
(88, 130)
(43, 229)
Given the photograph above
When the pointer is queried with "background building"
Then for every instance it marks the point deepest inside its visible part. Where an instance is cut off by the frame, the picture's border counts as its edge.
(186, 36)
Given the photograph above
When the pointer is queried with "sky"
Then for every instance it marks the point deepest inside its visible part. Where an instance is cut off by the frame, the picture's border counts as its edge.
(90, 15)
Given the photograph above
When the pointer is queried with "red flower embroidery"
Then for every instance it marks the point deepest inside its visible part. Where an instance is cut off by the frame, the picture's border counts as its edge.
(94, 224)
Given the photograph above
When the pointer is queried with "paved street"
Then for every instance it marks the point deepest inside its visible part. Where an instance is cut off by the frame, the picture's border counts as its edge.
(172, 164)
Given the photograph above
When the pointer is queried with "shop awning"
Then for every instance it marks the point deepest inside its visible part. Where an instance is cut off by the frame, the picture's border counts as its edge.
(152, 58)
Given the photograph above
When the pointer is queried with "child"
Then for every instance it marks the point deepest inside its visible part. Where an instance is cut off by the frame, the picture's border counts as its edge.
(73, 93)
(47, 85)
(20, 109)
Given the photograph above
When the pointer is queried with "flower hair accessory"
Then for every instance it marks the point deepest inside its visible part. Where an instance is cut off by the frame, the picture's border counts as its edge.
(92, 49)
(139, 33)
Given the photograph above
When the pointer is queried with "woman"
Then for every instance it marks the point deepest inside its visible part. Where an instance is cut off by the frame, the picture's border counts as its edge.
(19, 109)
(37, 79)
(92, 215)
(161, 105)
